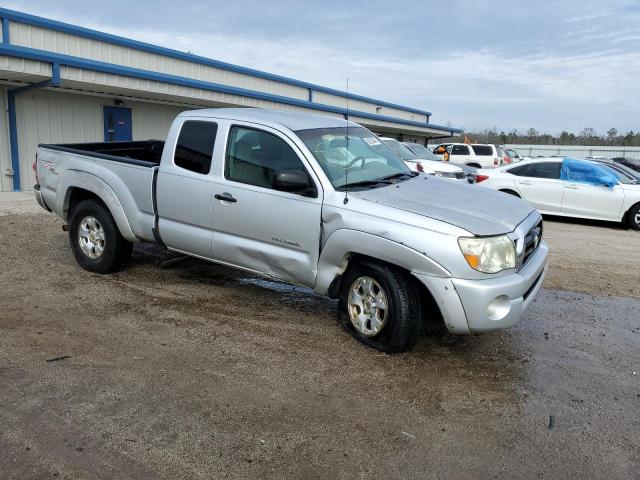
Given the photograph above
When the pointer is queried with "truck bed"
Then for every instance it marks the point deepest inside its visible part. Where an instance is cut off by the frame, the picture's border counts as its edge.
(145, 153)
(121, 174)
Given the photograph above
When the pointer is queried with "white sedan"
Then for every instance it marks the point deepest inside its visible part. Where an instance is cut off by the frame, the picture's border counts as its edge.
(570, 187)
(417, 164)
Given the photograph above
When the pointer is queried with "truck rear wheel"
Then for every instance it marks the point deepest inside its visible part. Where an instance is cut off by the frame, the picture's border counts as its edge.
(380, 306)
(95, 239)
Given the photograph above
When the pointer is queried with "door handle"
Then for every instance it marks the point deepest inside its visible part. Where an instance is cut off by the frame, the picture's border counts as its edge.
(225, 197)
(573, 187)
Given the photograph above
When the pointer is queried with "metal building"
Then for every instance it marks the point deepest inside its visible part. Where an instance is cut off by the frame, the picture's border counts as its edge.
(62, 83)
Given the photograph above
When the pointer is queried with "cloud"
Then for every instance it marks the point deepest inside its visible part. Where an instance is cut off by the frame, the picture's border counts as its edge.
(476, 64)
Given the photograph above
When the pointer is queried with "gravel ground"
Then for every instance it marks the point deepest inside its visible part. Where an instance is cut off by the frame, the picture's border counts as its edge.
(191, 370)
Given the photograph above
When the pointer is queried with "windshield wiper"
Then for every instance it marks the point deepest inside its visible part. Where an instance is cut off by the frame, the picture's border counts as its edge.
(397, 175)
(365, 183)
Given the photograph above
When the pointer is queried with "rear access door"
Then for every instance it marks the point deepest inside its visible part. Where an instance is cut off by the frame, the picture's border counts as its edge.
(256, 226)
(183, 188)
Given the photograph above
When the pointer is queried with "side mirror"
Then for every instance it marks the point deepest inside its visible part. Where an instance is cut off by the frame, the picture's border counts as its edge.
(294, 181)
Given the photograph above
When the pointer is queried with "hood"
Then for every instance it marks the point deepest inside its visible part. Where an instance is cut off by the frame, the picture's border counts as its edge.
(440, 166)
(478, 210)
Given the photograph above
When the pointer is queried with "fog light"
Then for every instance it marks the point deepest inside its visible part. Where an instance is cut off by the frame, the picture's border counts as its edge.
(499, 308)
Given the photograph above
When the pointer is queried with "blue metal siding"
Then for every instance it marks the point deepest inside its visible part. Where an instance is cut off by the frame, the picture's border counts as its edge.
(67, 60)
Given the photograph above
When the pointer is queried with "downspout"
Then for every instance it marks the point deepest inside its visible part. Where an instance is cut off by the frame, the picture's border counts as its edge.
(13, 124)
(5, 30)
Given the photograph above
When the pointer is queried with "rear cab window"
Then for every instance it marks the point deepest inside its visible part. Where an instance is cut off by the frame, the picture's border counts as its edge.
(194, 148)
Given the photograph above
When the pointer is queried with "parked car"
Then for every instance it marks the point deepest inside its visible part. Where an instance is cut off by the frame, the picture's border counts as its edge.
(273, 193)
(475, 155)
(417, 164)
(628, 162)
(569, 187)
(425, 154)
(514, 154)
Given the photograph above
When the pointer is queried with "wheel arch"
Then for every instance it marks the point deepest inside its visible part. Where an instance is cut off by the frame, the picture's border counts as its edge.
(345, 247)
(625, 217)
(83, 186)
(510, 191)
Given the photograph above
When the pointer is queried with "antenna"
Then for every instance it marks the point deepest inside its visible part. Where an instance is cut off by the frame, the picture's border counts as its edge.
(346, 171)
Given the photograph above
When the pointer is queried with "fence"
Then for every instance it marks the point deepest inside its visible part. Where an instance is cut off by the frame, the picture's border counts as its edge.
(576, 151)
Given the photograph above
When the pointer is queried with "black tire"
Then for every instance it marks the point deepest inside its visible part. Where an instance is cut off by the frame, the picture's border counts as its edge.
(633, 217)
(117, 250)
(510, 192)
(404, 316)
(474, 165)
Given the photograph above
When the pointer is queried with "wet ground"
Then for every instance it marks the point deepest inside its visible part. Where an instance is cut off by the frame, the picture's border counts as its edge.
(190, 370)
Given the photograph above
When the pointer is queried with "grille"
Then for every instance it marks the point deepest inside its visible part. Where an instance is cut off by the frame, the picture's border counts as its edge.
(531, 242)
(461, 175)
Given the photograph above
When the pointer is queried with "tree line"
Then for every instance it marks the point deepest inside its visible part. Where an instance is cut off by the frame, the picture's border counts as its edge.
(587, 136)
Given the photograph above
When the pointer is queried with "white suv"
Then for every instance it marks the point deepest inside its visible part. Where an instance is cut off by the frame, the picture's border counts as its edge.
(479, 155)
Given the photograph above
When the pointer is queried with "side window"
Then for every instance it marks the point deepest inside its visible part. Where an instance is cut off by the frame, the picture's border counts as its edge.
(440, 149)
(484, 150)
(254, 157)
(577, 171)
(520, 171)
(195, 146)
(550, 170)
(460, 150)
(544, 170)
(512, 153)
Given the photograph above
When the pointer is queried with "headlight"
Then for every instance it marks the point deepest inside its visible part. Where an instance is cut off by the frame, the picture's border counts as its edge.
(446, 174)
(488, 254)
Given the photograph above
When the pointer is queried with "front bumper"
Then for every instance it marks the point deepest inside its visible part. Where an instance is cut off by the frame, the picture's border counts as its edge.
(39, 199)
(475, 306)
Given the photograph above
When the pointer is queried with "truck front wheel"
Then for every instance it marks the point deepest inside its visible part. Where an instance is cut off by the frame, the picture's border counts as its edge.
(95, 239)
(380, 305)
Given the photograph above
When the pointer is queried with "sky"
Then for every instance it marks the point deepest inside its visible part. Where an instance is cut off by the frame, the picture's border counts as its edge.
(560, 65)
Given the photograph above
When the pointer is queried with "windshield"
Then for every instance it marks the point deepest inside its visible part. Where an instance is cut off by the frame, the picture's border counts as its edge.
(359, 158)
(423, 152)
(403, 152)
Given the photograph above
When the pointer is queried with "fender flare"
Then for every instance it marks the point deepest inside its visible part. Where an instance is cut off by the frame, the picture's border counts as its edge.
(343, 243)
(94, 184)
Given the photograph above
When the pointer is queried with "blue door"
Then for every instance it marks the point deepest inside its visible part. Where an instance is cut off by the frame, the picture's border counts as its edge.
(117, 124)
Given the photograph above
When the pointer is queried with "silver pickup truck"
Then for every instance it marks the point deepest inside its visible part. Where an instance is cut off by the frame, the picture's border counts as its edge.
(311, 200)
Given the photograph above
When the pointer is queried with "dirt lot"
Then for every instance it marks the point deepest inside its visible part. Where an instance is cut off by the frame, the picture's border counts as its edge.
(196, 371)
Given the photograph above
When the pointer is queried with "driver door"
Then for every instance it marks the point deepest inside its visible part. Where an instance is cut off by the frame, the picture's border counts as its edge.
(583, 196)
(259, 228)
